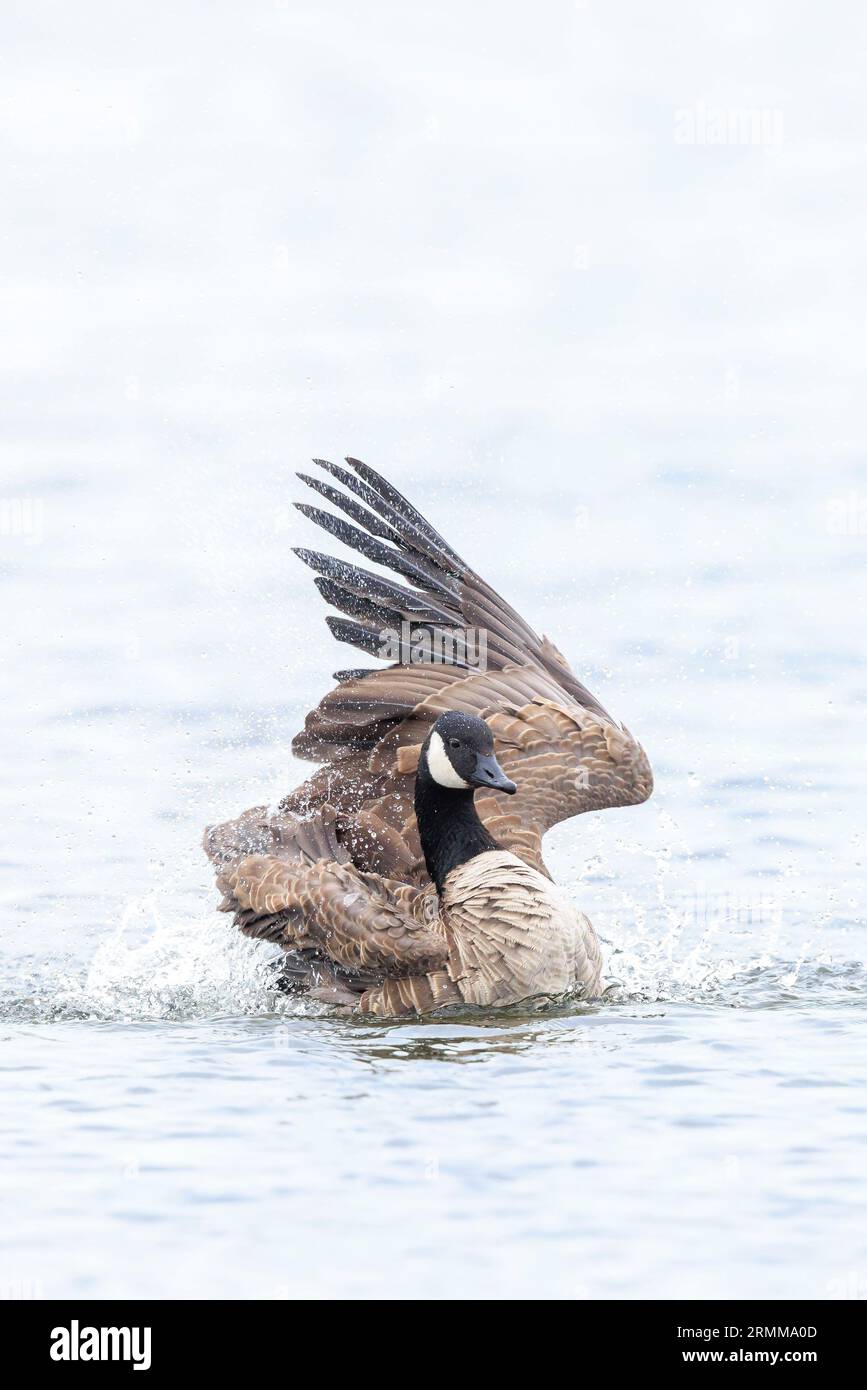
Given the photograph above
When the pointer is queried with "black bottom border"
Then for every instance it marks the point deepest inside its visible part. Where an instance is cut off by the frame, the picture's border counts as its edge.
(632, 1335)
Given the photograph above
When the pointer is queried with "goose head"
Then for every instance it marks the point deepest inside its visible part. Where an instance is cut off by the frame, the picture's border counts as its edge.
(458, 755)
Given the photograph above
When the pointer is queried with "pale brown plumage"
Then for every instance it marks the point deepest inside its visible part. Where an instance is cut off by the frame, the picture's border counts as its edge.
(337, 875)
(503, 932)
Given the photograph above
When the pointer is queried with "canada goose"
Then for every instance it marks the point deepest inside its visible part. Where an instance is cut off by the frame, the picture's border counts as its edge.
(398, 879)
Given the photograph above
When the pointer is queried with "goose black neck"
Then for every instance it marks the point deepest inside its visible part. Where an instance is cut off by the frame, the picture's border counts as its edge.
(448, 826)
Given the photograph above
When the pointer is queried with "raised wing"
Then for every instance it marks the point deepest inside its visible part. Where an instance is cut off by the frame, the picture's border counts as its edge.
(553, 737)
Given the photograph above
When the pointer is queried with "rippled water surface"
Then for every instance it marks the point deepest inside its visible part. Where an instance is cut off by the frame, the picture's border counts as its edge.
(671, 491)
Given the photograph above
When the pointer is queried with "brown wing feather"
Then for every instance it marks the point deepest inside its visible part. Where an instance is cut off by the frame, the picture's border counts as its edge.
(553, 737)
(564, 760)
(360, 921)
(416, 994)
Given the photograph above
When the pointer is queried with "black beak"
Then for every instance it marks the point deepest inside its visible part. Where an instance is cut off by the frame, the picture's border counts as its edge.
(488, 773)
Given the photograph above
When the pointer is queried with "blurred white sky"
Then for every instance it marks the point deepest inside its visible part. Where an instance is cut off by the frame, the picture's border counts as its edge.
(461, 234)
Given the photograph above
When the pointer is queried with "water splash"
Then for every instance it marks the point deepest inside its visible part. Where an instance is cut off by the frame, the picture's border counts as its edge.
(167, 962)
(158, 964)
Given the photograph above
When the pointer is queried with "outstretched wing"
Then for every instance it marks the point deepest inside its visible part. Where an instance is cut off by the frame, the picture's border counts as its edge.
(460, 646)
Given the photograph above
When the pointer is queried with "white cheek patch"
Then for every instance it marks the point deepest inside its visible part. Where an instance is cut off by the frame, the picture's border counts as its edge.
(440, 766)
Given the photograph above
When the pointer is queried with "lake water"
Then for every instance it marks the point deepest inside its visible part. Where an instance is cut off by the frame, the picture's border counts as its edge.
(652, 455)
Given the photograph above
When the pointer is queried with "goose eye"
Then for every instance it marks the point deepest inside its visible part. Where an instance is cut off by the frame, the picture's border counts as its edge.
(454, 743)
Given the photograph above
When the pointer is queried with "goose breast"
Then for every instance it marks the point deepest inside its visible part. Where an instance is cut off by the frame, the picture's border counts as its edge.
(513, 934)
